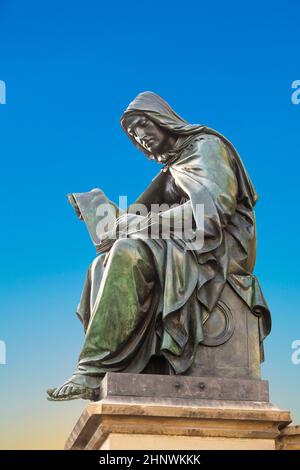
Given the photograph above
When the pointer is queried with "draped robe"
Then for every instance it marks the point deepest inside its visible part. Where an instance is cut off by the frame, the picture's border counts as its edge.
(154, 295)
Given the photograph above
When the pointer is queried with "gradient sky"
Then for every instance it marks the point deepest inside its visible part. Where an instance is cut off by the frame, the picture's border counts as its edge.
(71, 68)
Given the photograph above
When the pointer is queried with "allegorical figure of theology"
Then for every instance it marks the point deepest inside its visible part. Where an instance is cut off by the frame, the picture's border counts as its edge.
(146, 297)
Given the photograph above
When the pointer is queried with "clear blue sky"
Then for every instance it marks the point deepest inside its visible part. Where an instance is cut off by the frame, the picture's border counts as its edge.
(71, 68)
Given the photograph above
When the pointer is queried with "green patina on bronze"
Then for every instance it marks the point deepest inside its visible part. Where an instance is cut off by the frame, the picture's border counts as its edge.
(153, 296)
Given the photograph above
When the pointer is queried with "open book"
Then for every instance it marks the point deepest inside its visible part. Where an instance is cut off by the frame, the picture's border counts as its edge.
(99, 215)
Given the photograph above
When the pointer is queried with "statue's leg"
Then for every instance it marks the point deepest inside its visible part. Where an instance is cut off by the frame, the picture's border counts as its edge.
(90, 290)
(121, 316)
(121, 306)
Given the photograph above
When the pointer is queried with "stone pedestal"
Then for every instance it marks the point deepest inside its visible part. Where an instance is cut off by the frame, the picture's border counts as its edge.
(231, 341)
(289, 438)
(169, 412)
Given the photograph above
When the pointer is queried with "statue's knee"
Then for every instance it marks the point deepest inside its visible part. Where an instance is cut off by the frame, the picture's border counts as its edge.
(125, 248)
(96, 262)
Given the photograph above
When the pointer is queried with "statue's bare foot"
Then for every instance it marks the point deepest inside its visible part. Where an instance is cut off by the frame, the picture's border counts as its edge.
(71, 391)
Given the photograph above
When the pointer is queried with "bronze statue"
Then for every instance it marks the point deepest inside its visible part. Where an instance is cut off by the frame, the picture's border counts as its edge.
(147, 298)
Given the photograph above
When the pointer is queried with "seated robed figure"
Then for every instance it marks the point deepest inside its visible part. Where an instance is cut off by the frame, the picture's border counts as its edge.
(148, 297)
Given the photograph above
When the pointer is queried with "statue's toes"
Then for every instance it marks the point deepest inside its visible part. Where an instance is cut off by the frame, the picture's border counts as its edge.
(58, 392)
(65, 391)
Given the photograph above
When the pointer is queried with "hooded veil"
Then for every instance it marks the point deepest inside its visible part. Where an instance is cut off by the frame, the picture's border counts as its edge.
(158, 110)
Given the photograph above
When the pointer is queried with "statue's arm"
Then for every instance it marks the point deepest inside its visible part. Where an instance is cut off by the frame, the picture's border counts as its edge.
(207, 176)
(217, 175)
(153, 194)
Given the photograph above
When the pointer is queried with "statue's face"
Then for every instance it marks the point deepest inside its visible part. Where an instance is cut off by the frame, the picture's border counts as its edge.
(148, 134)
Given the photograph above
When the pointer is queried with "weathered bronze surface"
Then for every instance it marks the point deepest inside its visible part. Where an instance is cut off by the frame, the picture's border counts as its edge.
(156, 305)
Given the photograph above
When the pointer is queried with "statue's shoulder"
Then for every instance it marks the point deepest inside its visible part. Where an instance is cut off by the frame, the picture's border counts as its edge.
(206, 151)
(198, 143)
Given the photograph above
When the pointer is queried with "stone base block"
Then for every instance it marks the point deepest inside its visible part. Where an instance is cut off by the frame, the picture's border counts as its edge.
(183, 387)
(151, 441)
(136, 414)
(289, 438)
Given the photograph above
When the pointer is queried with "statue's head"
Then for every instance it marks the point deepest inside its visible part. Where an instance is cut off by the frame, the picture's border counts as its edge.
(153, 138)
(152, 125)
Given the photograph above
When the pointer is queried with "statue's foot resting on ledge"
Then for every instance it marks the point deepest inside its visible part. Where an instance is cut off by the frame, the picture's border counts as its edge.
(71, 390)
